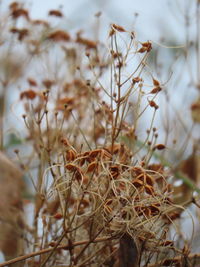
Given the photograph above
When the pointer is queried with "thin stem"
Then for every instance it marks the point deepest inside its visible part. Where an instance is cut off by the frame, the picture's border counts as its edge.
(178, 259)
(44, 251)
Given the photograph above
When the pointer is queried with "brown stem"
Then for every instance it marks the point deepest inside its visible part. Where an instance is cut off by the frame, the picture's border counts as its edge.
(178, 259)
(46, 250)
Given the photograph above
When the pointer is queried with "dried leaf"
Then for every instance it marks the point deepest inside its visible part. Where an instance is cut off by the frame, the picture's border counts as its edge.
(128, 252)
(11, 221)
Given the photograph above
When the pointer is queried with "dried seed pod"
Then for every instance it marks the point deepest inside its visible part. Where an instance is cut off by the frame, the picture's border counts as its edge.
(136, 80)
(88, 43)
(118, 28)
(19, 12)
(154, 209)
(48, 83)
(56, 13)
(76, 171)
(159, 147)
(14, 6)
(41, 22)
(156, 83)
(112, 32)
(71, 167)
(142, 50)
(153, 104)
(156, 90)
(29, 94)
(70, 155)
(58, 36)
(92, 166)
(137, 183)
(32, 82)
(146, 47)
(149, 180)
(95, 153)
(149, 190)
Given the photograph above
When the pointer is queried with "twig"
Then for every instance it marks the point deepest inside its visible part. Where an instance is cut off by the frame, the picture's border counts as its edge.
(44, 251)
(168, 262)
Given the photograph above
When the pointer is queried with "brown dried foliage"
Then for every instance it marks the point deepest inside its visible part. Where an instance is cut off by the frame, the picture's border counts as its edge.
(94, 191)
(58, 36)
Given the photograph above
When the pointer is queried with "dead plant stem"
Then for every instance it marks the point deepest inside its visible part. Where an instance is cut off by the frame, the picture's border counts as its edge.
(47, 250)
(176, 260)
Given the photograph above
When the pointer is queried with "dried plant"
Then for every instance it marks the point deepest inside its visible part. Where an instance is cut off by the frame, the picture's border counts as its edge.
(99, 188)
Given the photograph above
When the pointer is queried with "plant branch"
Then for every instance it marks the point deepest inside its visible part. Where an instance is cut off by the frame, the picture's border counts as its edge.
(179, 259)
(47, 250)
